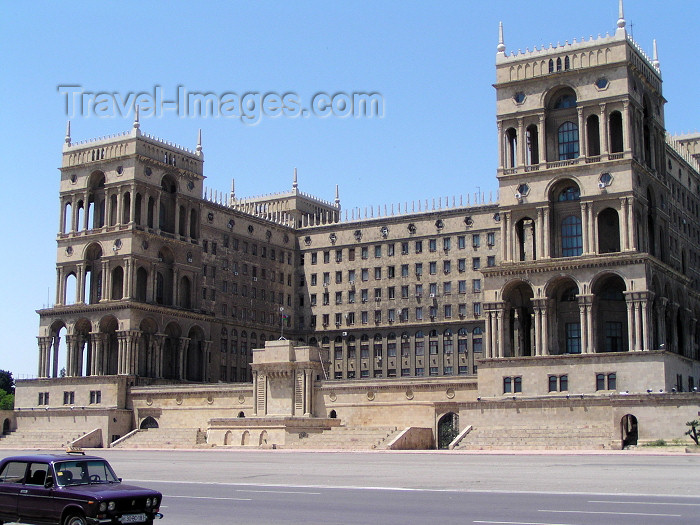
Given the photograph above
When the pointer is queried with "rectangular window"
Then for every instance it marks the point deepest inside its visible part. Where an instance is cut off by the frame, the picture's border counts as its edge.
(391, 292)
(553, 383)
(419, 290)
(377, 293)
(433, 289)
(364, 317)
(351, 254)
(339, 256)
(404, 270)
(377, 273)
(314, 279)
(419, 269)
(390, 250)
(432, 245)
(326, 257)
(600, 381)
(477, 309)
(447, 288)
(364, 252)
(351, 321)
(313, 299)
(446, 244)
(448, 311)
(351, 296)
(391, 316)
(338, 297)
(507, 385)
(476, 240)
(433, 267)
(461, 242)
(326, 278)
(476, 263)
(69, 398)
(420, 372)
(462, 310)
(573, 338)
(404, 292)
(419, 313)
(490, 238)
(462, 286)
(517, 384)
(95, 397)
(365, 274)
(404, 317)
(476, 285)
(338, 319)
(613, 336)
(446, 267)
(419, 246)
(390, 272)
(491, 261)
(404, 248)
(364, 295)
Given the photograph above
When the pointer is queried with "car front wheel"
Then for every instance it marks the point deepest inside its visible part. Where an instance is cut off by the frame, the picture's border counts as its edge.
(74, 519)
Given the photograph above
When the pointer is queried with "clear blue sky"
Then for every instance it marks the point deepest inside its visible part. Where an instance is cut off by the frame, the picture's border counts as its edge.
(433, 64)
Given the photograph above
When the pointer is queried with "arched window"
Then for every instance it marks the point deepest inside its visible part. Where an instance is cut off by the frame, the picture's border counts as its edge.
(559, 64)
(568, 141)
(567, 63)
(447, 342)
(616, 133)
(571, 237)
(593, 135)
(570, 193)
(608, 231)
(420, 343)
(551, 65)
(511, 148)
(378, 347)
(533, 146)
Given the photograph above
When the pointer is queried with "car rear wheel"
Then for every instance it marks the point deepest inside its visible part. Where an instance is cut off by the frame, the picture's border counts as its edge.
(75, 519)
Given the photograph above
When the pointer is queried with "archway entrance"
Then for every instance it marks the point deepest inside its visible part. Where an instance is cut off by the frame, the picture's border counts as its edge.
(630, 431)
(149, 422)
(5, 427)
(447, 429)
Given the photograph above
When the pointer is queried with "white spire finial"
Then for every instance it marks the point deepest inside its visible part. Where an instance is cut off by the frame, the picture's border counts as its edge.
(137, 125)
(295, 185)
(621, 17)
(337, 196)
(233, 191)
(68, 129)
(199, 141)
(655, 58)
(501, 44)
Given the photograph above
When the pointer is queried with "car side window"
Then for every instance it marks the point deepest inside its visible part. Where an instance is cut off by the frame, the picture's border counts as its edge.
(37, 474)
(13, 472)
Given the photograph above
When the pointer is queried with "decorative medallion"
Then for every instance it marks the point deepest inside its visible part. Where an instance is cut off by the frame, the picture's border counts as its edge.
(120, 170)
(210, 399)
(69, 250)
(468, 220)
(411, 228)
(497, 217)
(189, 257)
(268, 235)
(251, 229)
(73, 178)
(333, 397)
(450, 393)
(358, 235)
(307, 240)
(190, 185)
(409, 394)
(231, 223)
(285, 238)
(519, 97)
(333, 238)
(370, 396)
(149, 401)
(144, 245)
(147, 171)
(439, 224)
(178, 399)
(210, 216)
(117, 244)
(241, 399)
(384, 231)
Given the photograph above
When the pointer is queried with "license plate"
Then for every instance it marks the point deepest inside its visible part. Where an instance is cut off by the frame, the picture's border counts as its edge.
(133, 518)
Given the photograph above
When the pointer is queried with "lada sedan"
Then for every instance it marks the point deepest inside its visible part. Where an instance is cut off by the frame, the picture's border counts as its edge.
(71, 490)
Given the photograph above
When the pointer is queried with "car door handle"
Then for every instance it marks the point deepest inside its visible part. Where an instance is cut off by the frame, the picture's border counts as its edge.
(24, 491)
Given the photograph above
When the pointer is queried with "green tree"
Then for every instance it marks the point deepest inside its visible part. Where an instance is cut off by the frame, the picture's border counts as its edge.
(7, 401)
(7, 382)
(693, 432)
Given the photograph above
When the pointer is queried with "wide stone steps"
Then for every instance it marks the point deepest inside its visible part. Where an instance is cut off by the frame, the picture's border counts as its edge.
(40, 440)
(542, 438)
(164, 438)
(348, 438)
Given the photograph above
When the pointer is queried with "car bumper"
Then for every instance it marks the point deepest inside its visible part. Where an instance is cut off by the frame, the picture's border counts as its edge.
(116, 521)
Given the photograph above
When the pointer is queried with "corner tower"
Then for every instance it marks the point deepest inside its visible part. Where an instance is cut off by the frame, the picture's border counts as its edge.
(587, 265)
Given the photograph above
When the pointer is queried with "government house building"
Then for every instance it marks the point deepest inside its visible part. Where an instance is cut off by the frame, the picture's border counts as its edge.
(564, 314)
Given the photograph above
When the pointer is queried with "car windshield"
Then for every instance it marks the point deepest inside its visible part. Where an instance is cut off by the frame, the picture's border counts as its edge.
(84, 472)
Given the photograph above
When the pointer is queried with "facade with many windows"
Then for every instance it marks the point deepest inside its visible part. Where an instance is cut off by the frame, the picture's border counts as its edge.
(583, 278)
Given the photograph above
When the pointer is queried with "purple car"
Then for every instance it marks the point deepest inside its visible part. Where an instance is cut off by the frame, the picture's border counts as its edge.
(71, 490)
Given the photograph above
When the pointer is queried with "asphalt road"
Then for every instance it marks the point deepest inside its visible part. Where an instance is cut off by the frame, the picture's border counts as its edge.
(281, 487)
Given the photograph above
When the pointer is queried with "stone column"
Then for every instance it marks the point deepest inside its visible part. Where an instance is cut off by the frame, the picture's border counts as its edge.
(538, 330)
(626, 126)
(638, 342)
(255, 392)
(583, 324)
(70, 356)
(60, 290)
(521, 156)
(603, 129)
(542, 140)
(585, 238)
(545, 328)
(547, 240)
(487, 335)
(592, 231)
(182, 357)
(308, 393)
(504, 236)
(624, 240)
(206, 368)
(500, 314)
(630, 321)
(44, 356)
(80, 284)
(539, 224)
(120, 203)
(500, 145)
(632, 238)
(105, 281)
(581, 133)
